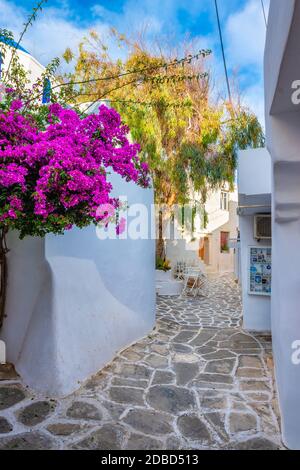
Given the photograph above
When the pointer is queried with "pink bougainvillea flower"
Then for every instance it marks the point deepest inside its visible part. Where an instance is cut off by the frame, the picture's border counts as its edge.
(55, 177)
(105, 211)
(16, 105)
(121, 227)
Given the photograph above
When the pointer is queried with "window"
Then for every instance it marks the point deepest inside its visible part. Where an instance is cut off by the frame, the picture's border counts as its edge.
(224, 202)
(224, 242)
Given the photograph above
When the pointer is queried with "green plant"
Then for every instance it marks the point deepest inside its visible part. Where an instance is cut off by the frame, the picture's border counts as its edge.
(225, 248)
(162, 264)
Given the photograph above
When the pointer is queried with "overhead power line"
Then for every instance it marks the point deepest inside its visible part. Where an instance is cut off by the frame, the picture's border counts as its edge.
(223, 51)
(264, 11)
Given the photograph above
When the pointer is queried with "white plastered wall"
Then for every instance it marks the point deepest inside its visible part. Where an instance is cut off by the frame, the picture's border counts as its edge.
(74, 301)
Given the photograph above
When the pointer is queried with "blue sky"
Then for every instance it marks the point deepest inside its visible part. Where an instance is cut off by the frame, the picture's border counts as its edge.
(64, 22)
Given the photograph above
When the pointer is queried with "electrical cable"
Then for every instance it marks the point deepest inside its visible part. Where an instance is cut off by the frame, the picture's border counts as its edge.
(223, 51)
(264, 11)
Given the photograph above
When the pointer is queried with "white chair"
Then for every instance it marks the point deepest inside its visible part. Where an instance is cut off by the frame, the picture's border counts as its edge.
(179, 270)
(194, 280)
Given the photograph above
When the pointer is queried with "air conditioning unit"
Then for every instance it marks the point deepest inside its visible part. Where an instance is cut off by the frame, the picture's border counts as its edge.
(262, 226)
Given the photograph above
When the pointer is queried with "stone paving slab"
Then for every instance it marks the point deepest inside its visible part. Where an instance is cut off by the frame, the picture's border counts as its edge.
(198, 381)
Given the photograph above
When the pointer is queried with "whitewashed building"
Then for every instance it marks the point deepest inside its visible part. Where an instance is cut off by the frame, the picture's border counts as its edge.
(74, 301)
(30, 64)
(192, 239)
(254, 187)
(282, 91)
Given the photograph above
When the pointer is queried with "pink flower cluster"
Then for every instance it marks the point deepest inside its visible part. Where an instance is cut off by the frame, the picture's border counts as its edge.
(55, 178)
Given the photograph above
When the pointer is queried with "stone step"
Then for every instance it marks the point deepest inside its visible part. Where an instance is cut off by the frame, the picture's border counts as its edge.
(170, 287)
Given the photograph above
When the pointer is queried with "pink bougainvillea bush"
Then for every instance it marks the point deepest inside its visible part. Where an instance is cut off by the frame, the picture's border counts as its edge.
(54, 165)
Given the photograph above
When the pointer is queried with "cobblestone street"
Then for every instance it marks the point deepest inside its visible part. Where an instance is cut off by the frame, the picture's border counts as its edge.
(196, 382)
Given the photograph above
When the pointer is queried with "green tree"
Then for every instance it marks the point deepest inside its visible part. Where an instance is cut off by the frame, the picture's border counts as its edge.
(189, 140)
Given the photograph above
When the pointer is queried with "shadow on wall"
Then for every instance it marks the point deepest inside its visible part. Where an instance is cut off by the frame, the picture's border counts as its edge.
(73, 301)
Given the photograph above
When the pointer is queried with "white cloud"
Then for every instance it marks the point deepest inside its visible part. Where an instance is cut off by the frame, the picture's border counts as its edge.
(53, 30)
(46, 38)
(50, 34)
(99, 10)
(245, 34)
(11, 16)
(50, 37)
(253, 97)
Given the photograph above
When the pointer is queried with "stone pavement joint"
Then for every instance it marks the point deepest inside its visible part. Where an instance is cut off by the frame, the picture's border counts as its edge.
(198, 381)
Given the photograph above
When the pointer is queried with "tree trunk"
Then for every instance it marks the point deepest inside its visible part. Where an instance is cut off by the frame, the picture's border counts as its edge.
(3, 273)
(160, 244)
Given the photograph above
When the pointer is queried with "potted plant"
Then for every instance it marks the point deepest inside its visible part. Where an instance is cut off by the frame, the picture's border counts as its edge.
(163, 269)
